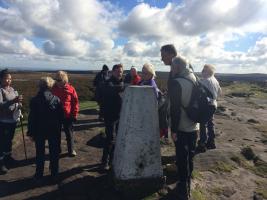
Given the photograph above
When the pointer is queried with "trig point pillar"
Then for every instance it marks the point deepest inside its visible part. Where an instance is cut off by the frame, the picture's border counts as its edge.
(137, 158)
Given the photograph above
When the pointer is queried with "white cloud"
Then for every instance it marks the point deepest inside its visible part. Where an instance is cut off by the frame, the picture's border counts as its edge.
(69, 25)
(27, 47)
(65, 47)
(75, 33)
(21, 46)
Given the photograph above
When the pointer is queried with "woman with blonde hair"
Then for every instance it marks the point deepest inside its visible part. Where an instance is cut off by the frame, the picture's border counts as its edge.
(69, 99)
(44, 123)
(148, 77)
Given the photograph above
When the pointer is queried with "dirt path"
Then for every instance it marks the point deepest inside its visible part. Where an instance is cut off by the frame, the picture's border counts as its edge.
(220, 174)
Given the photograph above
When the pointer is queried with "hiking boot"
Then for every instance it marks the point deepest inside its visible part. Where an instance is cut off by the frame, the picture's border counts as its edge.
(174, 193)
(37, 176)
(201, 148)
(105, 167)
(9, 161)
(3, 169)
(211, 145)
(72, 153)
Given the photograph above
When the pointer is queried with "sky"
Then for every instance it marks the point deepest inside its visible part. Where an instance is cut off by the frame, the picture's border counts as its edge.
(85, 34)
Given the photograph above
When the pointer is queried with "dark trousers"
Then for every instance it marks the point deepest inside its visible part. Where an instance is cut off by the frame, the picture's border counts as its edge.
(101, 109)
(68, 129)
(111, 129)
(185, 151)
(7, 131)
(207, 133)
(54, 145)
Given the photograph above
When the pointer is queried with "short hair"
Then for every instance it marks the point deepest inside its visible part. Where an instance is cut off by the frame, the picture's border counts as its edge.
(179, 61)
(46, 82)
(169, 48)
(211, 69)
(150, 68)
(117, 66)
(3, 73)
(62, 76)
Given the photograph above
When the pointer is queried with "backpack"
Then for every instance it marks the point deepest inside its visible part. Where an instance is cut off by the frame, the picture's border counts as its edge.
(201, 107)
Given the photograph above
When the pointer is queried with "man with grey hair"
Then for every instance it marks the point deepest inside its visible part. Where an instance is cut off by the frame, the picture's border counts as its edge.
(207, 131)
(183, 129)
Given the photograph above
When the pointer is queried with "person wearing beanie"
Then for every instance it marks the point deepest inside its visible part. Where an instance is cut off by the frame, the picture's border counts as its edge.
(98, 83)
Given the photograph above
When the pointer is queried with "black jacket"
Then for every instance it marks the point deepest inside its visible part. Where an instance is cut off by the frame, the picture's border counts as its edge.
(46, 115)
(100, 78)
(98, 83)
(112, 100)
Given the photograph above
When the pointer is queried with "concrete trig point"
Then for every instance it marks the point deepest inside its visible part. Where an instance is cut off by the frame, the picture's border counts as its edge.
(137, 158)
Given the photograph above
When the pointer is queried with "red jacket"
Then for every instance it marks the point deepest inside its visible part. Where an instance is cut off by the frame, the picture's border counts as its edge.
(69, 100)
(135, 80)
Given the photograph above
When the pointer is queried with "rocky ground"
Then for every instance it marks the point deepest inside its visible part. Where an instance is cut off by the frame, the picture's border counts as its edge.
(236, 170)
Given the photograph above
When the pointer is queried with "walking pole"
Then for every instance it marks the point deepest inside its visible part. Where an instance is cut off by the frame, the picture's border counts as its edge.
(22, 131)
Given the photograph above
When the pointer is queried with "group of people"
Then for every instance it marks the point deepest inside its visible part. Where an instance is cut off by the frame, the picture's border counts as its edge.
(184, 131)
(54, 106)
(109, 97)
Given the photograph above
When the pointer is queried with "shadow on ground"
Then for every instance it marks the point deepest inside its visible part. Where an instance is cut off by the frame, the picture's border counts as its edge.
(87, 124)
(96, 141)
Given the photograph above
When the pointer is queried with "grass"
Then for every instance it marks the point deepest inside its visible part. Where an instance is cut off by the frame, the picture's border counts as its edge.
(262, 188)
(262, 192)
(222, 167)
(196, 175)
(198, 194)
(83, 105)
(88, 105)
(263, 129)
(260, 168)
(257, 166)
(217, 191)
(252, 90)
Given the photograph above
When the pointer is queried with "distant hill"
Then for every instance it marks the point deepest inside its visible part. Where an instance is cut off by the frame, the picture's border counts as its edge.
(228, 77)
(255, 77)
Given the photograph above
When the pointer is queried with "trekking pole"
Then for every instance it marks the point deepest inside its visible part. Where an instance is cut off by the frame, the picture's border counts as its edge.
(22, 131)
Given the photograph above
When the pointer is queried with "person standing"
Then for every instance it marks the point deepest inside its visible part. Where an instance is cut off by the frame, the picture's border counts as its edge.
(69, 100)
(207, 131)
(10, 104)
(98, 83)
(135, 78)
(148, 77)
(44, 123)
(168, 52)
(183, 129)
(112, 103)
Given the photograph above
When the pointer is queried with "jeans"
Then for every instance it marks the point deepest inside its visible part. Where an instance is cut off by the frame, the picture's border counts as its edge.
(54, 146)
(68, 129)
(7, 131)
(205, 136)
(185, 151)
(111, 129)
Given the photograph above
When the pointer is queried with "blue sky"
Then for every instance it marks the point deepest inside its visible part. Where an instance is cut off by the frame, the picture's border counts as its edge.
(85, 34)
